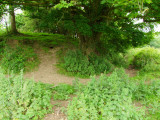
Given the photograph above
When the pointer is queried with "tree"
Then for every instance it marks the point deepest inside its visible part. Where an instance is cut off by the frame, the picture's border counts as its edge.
(16, 4)
(90, 19)
(12, 19)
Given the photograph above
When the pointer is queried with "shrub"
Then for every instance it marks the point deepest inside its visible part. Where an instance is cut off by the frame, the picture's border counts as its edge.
(21, 57)
(130, 55)
(79, 64)
(147, 59)
(118, 59)
(106, 98)
(155, 42)
(23, 99)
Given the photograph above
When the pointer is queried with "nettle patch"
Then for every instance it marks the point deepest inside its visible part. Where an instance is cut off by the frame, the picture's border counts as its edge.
(77, 63)
(18, 58)
(23, 99)
(106, 98)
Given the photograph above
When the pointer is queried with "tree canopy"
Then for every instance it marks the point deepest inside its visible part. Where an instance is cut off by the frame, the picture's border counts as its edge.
(95, 22)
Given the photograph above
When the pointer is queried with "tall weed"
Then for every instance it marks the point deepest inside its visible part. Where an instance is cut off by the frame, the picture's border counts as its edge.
(18, 58)
(79, 64)
(106, 98)
(23, 99)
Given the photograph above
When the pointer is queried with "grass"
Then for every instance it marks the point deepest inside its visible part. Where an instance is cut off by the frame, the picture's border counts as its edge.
(44, 39)
(19, 58)
(147, 76)
(146, 61)
(148, 81)
(63, 91)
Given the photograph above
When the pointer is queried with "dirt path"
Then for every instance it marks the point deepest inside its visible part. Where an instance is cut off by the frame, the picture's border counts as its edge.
(47, 71)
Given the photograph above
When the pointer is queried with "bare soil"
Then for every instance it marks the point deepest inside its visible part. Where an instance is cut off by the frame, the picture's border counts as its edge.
(47, 70)
(47, 73)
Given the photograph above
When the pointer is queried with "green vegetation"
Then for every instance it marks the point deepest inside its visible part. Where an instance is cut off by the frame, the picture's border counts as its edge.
(105, 98)
(62, 91)
(147, 59)
(78, 64)
(23, 99)
(95, 37)
(155, 42)
(18, 58)
(112, 98)
(118, 59)
(43, 39)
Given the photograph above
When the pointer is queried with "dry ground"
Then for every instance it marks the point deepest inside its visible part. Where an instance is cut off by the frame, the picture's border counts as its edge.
(47, 73)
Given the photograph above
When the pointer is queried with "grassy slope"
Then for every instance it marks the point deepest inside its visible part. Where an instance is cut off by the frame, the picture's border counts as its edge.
(44, 39)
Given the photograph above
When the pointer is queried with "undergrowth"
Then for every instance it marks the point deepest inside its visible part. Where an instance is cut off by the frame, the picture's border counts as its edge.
(106, 98)
(43, 39)
(63, 92)
(147, 59)
(76, 63)
(118, 59)
(23, 99)
(113, 97)
(18, 58)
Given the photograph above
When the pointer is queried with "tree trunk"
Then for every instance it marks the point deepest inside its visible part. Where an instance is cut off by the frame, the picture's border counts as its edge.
(89, 44)
(12, 19)
(6, 26)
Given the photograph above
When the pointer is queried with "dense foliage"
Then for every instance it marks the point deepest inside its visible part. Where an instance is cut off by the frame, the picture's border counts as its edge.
(147, 59)
(23, 99)
(155, 42)
(105, 98)
(89, 21)
(104, 30)
(79, 64)
(18, 58)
